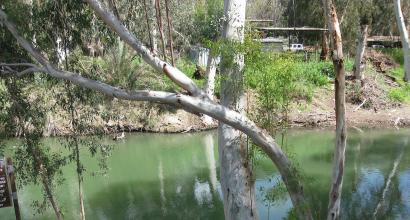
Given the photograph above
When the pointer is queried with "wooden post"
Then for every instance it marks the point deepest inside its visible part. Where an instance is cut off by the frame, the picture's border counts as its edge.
(12, 178)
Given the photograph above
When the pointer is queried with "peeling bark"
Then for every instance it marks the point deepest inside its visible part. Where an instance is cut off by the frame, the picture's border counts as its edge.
(340, 148)
(236, 174)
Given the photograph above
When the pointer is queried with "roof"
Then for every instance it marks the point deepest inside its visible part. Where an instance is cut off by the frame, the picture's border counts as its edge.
(384, 38)
(291, 29)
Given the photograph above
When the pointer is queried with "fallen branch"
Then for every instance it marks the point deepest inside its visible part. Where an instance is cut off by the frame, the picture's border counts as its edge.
(358, 107)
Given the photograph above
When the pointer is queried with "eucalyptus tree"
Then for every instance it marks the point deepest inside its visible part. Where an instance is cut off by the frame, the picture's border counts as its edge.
(35, 163)
(236, 175)
(404, 35)
(336, 47)
(57, 27)
(194, 100)
(22, 115)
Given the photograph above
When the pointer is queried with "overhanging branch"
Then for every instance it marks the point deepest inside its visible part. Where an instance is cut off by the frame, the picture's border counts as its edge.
(196, 103)
(173, 73)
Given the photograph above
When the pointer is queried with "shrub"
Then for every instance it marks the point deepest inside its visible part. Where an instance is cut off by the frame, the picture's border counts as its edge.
(401, 94)
(395, 53)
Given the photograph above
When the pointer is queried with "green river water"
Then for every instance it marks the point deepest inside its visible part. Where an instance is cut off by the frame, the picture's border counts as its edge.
(176, 176)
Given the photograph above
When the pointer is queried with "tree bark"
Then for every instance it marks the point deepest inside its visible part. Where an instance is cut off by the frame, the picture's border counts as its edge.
(339, 153)
(404, 39)
(196, 102)
(170, 41)
(160, 27)
(153, 30)
(236, 174)
(360, 49)
(210, 75)
(325, 46)
(324, 54)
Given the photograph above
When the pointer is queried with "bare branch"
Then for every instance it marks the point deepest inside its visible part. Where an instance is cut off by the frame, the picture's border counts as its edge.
(8, 70)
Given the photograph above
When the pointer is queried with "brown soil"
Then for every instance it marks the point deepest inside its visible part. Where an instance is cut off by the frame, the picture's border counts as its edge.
(376, 109)
(321, 114)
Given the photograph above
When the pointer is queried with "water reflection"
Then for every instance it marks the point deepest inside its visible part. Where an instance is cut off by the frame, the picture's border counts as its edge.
(156, 176)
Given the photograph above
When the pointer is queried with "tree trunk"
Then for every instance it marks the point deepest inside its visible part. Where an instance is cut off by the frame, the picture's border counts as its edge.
(153, 30)
(339, 153)
(193, 102)
(170, 42)
(404, 39)
(236, 175)
(325, 46)
(47, 189)
(160, 27)
(210, 74)
(360, 49)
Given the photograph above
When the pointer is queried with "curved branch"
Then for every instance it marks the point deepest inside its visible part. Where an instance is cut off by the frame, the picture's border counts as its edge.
(197, 103)
(177, 76)
(31, 68)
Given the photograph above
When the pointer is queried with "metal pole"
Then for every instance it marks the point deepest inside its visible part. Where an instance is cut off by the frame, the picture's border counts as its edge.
(10, 171)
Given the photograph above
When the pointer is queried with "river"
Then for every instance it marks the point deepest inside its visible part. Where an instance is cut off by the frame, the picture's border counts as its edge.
(176, 176)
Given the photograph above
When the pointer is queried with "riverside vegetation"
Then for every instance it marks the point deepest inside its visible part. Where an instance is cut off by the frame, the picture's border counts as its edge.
(282, 90)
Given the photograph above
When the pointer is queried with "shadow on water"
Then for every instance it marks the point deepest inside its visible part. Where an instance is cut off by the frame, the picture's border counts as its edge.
(157, 176)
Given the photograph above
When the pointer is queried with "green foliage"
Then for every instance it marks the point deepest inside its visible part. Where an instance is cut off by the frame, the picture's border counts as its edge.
(280, 80)
(401, 94)
(207, 20)
(395, 53)
(188, 67)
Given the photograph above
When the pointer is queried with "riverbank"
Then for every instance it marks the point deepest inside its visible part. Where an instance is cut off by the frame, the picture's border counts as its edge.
(379, 101)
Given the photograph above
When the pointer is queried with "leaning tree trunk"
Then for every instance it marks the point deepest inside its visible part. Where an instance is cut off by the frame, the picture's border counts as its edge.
(387, 183)
(46, 183)
(236, 177)
(360, 49)
(339, 153)
(404, 39)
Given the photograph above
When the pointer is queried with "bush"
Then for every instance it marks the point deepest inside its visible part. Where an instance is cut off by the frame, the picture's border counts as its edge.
(395, 53)
(401, 94)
